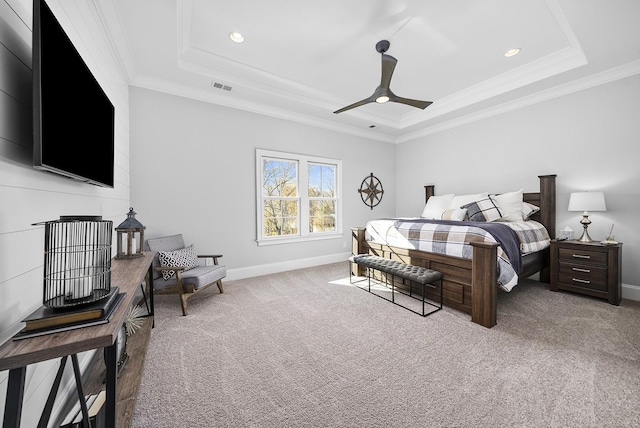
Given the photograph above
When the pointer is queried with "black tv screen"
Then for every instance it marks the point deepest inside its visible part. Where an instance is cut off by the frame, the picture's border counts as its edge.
(73, 117)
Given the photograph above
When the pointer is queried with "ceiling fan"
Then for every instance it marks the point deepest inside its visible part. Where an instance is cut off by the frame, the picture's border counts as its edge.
(383, 93)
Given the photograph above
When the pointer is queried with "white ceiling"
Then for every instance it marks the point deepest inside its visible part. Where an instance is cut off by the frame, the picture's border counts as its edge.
(302, 60)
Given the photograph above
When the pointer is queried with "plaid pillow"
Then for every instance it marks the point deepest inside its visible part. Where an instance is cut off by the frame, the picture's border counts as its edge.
(184, 257)
(528, 210)
(483, 210)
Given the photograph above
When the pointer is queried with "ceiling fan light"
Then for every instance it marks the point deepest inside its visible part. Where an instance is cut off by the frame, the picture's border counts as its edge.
(236, 37)
(382, 99)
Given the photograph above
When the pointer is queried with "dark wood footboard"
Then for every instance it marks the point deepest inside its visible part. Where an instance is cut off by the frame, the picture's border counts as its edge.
(470, 285)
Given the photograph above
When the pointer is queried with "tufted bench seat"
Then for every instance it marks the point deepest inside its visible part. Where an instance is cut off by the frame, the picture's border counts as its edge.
(413, 274)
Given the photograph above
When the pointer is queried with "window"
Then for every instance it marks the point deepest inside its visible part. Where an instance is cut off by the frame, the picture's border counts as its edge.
(298, 197)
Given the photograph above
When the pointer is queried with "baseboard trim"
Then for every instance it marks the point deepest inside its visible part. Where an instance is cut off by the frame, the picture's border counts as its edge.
(267, 269)
(631, 292)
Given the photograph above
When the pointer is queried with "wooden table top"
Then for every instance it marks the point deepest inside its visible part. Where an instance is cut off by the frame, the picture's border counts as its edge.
(127, 274)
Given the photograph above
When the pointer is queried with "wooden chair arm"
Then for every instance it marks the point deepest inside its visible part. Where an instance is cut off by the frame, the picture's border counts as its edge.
(163, 268)
(215, 257)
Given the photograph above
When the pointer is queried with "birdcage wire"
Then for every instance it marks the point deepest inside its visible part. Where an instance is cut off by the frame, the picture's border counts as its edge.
(77, 260)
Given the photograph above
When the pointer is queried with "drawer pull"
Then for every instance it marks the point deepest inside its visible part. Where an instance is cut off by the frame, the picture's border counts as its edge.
(581, 256)
(582, 270)
(584, 281)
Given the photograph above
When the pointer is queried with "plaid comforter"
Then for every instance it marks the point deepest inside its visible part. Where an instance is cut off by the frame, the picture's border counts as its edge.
(454, 238)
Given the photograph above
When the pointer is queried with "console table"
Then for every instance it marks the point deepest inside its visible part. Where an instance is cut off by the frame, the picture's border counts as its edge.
(16, 355)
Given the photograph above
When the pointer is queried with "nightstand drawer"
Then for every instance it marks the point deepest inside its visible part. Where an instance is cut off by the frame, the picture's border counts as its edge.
(572, 255)
(583, 276)
(589, 268)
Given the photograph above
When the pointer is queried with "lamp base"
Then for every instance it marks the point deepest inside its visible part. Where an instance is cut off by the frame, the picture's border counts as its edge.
(585, 237)
(585, 222)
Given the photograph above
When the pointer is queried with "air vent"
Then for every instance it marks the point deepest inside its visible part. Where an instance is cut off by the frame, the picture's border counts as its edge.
(220, 86)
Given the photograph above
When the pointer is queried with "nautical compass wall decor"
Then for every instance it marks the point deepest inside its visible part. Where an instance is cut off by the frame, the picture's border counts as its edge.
(371, 191)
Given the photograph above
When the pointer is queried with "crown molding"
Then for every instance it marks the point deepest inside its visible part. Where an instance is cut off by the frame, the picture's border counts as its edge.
(230, 101)
(617, 73)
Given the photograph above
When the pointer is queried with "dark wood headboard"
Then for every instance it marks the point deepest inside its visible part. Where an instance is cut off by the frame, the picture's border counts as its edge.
(545, 199)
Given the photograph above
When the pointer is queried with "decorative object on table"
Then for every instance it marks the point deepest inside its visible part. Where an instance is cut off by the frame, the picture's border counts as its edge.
(371, 191)
(46, 320)
(610, 239)
(565, 234)
(133, 321)
(77, 260)
(130, 239)
(585, 202)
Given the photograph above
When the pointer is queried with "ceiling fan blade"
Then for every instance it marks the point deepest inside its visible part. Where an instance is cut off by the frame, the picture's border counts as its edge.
(388, 65)
(354, 105)
(413, 103)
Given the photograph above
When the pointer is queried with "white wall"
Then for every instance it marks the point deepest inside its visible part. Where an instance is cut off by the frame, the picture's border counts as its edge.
(193, 172)
(590, 139)
(28, 196)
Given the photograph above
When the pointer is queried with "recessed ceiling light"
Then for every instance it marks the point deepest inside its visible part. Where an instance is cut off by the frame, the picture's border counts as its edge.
(236, 37)
(512, 52)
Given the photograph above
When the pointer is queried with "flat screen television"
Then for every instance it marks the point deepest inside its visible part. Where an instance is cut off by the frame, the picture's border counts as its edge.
(73, 120)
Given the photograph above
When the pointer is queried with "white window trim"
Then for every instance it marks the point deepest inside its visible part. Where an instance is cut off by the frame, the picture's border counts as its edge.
(303, 234)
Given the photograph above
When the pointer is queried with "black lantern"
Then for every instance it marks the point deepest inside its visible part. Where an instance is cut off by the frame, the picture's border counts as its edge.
(130, 237)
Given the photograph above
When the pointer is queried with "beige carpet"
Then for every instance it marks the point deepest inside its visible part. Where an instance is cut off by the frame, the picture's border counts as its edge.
(305, 349)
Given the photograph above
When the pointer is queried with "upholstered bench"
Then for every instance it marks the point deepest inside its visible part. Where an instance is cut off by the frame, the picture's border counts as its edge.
(413, 274)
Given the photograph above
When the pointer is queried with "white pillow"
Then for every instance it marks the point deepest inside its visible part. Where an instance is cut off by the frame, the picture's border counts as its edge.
(460, 200)
(435, 206)
(510, 205)
(455, 214)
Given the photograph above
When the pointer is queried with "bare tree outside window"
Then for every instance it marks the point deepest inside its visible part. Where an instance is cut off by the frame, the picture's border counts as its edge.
(298, 197)
(322, 197)
(280, 193)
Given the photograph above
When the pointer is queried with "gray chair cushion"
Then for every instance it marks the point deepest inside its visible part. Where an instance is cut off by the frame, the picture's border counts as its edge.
(198, 277)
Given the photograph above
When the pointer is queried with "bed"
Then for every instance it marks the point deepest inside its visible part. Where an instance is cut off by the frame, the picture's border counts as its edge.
(473, 272)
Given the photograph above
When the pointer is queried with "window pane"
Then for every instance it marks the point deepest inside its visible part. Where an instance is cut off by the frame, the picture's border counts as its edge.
(322, 216)
(279, 178)
(322, 180)
(280, 217)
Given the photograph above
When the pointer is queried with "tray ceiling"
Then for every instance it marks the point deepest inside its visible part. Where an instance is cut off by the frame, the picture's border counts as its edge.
(301, 61)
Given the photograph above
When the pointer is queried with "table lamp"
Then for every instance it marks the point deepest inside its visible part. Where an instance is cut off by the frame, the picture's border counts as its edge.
(585, 202)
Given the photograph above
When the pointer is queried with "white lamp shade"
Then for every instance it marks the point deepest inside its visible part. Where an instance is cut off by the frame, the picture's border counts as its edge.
(587, 201)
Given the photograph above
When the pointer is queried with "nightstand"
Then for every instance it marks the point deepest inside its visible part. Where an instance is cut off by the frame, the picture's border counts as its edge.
(587, 268)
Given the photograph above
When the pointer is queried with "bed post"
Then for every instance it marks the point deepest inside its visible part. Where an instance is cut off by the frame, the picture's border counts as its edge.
(358, 246)
(547, 218)
(429, 191)
(484, 284)
(548, 203)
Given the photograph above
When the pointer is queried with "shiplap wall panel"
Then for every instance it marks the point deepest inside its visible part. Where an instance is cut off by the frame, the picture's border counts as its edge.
(29, 196)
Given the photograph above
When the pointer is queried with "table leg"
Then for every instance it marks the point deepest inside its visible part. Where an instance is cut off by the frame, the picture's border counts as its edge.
(111, 385)
(15, 394)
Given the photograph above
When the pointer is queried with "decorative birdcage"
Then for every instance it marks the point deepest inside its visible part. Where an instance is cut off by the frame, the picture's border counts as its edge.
(77, 260)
